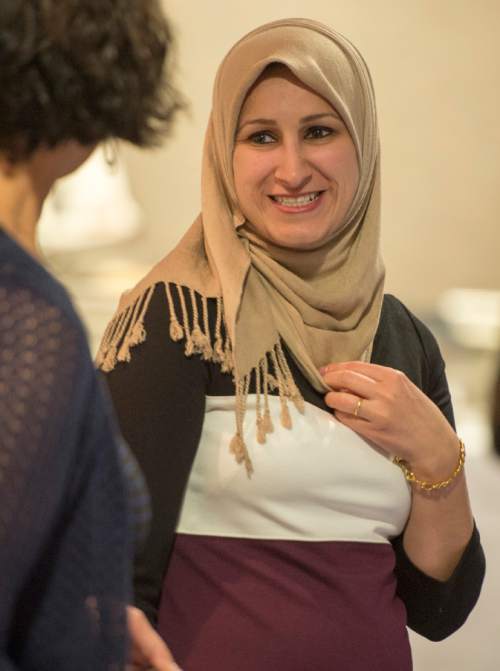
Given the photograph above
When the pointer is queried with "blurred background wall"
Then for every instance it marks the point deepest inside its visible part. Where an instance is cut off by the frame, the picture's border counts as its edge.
(435, 66)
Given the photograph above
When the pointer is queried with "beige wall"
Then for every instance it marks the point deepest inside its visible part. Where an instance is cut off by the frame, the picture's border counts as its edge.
(435, 64)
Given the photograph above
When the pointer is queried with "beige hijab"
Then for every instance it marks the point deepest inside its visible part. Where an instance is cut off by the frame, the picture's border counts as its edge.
(323, 304)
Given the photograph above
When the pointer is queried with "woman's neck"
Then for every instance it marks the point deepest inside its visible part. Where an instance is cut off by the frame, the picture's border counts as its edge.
(21, 200)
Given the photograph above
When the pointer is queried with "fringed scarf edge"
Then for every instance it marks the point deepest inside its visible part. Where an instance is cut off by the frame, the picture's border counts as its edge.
(272, 372)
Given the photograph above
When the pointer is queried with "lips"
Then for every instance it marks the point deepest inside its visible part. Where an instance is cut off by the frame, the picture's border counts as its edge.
(303, 203)
(297, 201)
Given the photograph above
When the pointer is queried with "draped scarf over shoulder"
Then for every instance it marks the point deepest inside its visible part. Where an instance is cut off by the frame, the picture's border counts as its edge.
(324, 304)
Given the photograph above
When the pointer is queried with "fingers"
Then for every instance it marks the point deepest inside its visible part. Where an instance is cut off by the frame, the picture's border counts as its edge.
(148, 649)
(348, 404)
(351, 390)
(362, 393)
(370, 370)
(353, 382)
(394, 414)
(357, 409)
(147, 667)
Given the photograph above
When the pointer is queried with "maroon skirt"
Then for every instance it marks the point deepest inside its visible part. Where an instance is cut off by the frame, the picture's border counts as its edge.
(233, 604)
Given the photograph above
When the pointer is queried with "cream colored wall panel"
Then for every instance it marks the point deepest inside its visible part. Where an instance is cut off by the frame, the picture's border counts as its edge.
(436, 74)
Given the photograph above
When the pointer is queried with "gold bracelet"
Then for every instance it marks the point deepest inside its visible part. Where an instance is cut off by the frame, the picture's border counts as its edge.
(432, 486)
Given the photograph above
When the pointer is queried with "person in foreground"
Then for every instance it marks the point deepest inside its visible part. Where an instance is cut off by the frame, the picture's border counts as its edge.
(72, 74)
(274, 385)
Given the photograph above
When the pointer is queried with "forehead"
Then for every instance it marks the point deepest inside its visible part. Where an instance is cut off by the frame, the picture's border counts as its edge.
(279, 92)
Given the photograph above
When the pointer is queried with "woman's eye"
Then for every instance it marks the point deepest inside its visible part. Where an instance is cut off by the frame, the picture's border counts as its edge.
(262, 137)
(318, 132)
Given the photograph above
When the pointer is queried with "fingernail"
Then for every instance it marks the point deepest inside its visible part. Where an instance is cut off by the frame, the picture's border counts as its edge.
(323, 370)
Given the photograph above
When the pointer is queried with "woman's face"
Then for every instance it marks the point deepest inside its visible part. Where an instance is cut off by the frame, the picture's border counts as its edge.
(295, 165)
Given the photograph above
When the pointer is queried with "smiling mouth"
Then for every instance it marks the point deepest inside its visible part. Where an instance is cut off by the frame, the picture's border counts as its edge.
(299, 201)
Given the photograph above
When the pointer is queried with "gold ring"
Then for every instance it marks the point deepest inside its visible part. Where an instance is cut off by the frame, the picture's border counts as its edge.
(358, 407)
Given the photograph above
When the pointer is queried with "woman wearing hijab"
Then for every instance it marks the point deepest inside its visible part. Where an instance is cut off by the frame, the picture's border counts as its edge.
(293, 423)
(72, 74)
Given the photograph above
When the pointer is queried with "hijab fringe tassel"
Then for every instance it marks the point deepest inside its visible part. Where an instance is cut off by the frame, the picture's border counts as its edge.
(271, 373)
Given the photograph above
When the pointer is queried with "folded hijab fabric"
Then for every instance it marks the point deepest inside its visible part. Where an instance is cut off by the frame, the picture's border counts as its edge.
(324, 304)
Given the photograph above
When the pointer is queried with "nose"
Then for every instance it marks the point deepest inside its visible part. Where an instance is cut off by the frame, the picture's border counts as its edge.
(292, 170)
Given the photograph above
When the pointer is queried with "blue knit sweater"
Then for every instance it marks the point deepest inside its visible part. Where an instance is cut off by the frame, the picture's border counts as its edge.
(64, 531)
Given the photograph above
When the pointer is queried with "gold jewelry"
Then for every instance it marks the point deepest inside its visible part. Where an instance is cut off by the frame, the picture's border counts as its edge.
(432, 486)
(358, 407)
(110, 152)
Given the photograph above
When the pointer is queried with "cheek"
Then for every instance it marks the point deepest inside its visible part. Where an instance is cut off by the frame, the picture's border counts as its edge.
(240, 172)
(341, 166)
(250, 171)
(351, 176)
(349, 168)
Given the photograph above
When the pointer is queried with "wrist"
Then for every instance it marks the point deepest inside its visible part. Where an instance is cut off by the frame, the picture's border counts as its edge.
(440, 462)
(439, 474)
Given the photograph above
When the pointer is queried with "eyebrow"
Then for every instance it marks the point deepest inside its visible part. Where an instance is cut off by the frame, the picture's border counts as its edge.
(305, 119)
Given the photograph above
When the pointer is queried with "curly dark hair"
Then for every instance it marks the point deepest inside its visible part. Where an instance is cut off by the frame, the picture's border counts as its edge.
(84, 70)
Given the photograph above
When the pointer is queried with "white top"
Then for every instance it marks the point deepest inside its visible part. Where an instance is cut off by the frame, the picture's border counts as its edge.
(318, 481)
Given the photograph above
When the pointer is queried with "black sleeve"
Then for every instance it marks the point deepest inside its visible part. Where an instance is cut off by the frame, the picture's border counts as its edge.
(159, 399)
(436, 609)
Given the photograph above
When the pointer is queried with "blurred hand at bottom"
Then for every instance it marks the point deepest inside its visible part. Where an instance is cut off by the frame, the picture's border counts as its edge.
(148, 651)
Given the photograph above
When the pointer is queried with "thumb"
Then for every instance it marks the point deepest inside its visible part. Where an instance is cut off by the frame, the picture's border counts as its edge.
(148, 649)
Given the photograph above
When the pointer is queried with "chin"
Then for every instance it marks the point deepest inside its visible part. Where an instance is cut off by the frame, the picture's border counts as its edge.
(296, 244)
(299, 240)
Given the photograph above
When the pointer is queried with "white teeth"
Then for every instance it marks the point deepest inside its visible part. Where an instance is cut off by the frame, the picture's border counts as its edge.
(296, 202)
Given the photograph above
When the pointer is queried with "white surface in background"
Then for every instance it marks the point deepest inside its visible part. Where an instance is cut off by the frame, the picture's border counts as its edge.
(472, 315)
(91, 207)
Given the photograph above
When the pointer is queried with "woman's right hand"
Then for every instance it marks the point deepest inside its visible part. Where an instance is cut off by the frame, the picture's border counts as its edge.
(148, 651)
